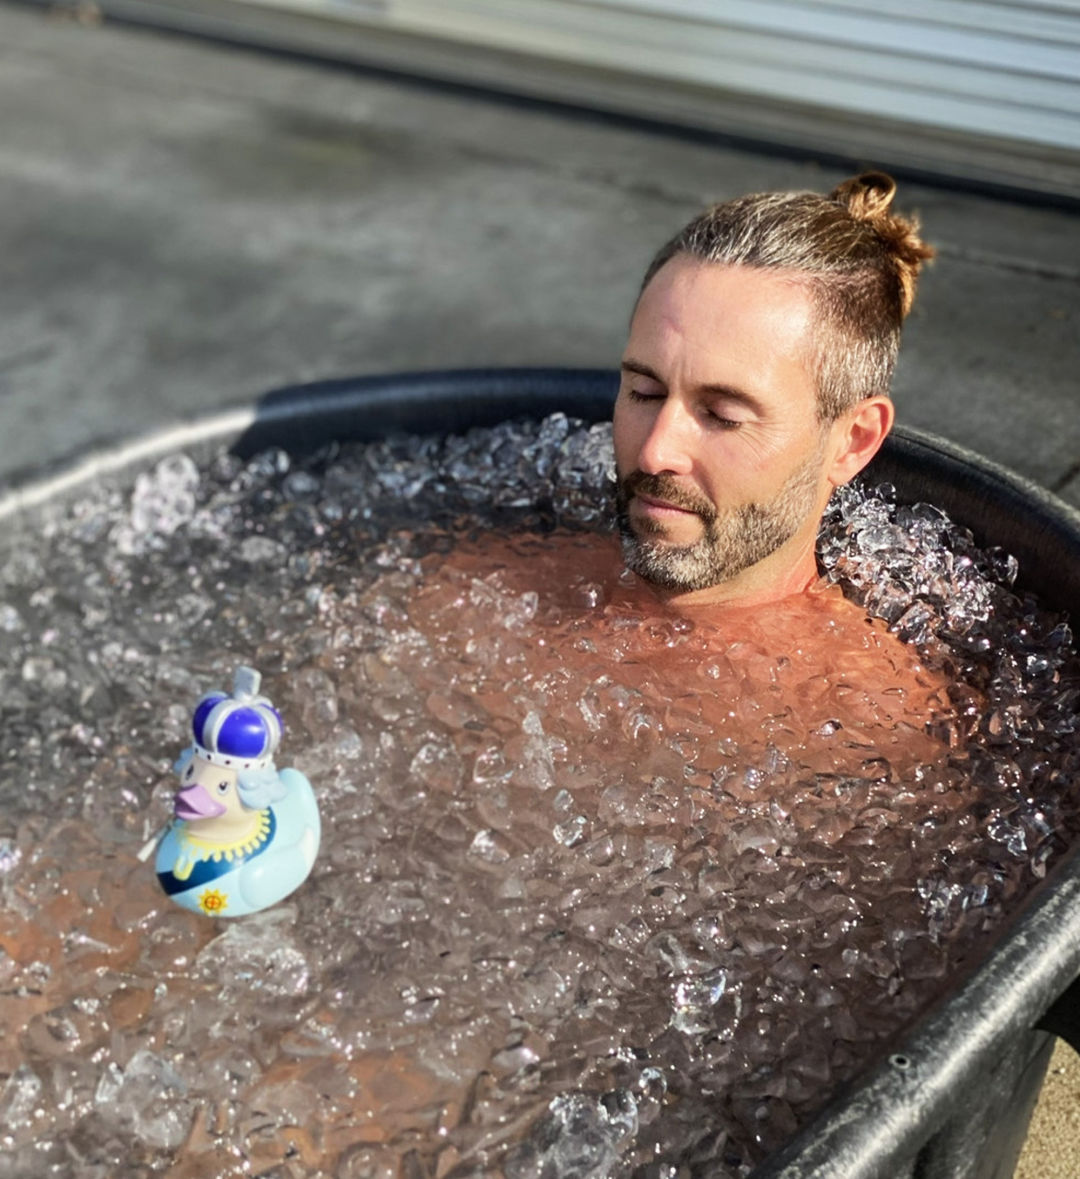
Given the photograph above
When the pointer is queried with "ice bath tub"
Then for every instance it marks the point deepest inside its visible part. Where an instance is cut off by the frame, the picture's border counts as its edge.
(952, 1097)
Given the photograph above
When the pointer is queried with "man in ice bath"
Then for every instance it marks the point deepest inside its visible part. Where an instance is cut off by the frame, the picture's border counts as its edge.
(755, 380)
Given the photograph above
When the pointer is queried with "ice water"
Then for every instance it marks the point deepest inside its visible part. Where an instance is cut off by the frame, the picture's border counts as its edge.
(603, 891)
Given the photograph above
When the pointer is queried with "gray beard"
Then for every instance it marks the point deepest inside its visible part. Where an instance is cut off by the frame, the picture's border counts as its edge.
(732, 540)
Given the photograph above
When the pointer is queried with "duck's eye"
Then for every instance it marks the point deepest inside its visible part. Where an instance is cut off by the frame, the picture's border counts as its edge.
(189, 773)
(223, 788)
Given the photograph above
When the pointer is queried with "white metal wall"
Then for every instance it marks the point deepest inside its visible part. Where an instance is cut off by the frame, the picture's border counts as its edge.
(994, 67)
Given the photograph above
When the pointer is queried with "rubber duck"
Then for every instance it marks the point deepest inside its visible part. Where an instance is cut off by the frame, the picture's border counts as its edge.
(244, 835)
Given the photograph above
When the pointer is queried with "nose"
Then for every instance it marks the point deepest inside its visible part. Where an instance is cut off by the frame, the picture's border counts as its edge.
(667, 447)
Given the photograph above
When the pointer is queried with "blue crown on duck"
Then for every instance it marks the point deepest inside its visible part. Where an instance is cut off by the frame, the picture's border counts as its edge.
(241, 730)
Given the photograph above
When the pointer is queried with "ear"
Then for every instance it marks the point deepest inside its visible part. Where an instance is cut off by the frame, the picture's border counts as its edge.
(856, 436)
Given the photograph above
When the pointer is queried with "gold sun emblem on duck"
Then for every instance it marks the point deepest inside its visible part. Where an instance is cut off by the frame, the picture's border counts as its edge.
(212, 901)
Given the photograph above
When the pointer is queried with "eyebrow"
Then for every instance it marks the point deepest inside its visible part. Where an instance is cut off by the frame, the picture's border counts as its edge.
(731, 392)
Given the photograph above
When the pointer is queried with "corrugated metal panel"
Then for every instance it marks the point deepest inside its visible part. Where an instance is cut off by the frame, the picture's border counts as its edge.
(990, 68)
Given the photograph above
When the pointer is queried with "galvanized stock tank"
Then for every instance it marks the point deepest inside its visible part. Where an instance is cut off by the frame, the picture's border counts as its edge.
(951, 1098)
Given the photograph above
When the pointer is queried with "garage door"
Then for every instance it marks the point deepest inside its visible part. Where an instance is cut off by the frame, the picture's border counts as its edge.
(984, 90)
(1001, 69)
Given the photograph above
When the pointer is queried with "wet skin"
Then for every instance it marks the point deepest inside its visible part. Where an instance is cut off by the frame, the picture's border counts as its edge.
(717, 412)
(718, 403)
(811, 674)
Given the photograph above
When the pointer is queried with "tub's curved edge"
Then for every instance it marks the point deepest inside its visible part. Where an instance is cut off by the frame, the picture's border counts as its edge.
(304, 416)
(916, 445)
(999, 506)
(68, 474)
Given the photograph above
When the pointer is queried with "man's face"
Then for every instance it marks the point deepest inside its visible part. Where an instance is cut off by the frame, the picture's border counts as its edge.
(718, 448)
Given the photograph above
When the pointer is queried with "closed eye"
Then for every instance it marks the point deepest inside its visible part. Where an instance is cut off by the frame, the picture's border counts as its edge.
(713, 419)
(721, 422)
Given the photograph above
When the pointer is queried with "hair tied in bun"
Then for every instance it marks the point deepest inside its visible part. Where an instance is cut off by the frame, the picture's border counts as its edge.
(866, 197)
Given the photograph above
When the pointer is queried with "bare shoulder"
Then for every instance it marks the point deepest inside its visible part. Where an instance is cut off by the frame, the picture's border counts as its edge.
(848, 683)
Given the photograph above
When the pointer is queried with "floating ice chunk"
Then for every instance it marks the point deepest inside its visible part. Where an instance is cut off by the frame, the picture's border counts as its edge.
(490, 767)
(10, 619)
(10, 855)
(1012, 835)
(572, 831)
(262, 467)
(884, 538)
(537, 762)
(581, 1137)
(42, 669)
(488, 846)
(438, 765)
(258, 955)
(148, 1097)
(520, 610)
(300, 485)
(659, 854)
(162, 501)
(694, 999)
(320, 702)
(563, 802)
(19, 1099)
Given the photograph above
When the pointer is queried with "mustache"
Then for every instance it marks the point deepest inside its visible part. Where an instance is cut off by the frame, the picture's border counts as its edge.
(664, 487)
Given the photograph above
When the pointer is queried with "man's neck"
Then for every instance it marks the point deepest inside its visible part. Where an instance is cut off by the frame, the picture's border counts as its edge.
(779, 576)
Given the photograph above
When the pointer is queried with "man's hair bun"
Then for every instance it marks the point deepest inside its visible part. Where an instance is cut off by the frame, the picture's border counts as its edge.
(867, 197)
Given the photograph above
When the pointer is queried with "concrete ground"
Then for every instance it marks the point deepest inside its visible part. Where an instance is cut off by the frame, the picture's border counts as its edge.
(185, 227)
(1052, 1150)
